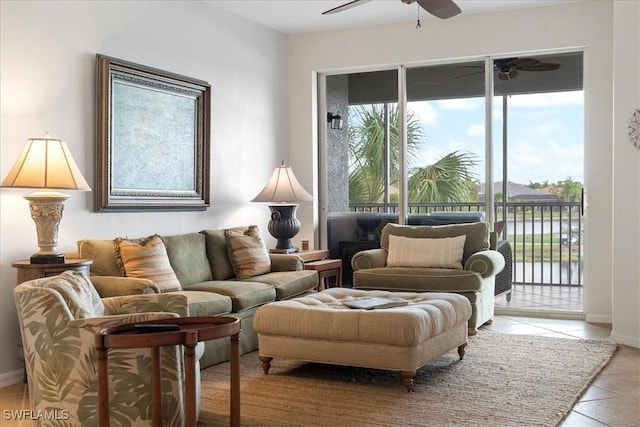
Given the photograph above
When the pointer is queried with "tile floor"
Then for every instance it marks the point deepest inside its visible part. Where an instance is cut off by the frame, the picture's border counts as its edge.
(613, 398)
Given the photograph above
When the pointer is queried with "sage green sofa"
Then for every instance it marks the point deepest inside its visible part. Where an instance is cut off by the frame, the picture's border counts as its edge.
(207, 278)
(474, 278)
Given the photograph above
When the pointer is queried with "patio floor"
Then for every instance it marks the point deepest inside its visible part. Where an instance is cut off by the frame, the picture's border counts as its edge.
(542, 297)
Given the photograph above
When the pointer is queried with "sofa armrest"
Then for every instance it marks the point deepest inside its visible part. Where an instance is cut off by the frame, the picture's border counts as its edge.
(286, 262)
(486, 263)
(132, 304)
(371, 258)
(114, 286)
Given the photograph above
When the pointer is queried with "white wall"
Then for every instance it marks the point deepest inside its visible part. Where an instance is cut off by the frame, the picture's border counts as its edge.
(626, 175)
(47, 84)
(586, 25)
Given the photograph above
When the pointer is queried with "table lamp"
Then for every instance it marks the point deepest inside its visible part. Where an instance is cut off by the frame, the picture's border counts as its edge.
(284, 192)
(46, 164)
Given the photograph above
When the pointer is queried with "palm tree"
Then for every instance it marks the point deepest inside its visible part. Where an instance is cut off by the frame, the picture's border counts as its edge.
(450, 179)
(569, 190)
(367, 165)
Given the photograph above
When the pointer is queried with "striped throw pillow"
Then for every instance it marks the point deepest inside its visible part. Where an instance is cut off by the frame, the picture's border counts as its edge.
(247, 252)
(147, 261)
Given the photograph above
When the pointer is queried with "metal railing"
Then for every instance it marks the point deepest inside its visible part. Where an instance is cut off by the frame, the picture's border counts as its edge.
(546, 237)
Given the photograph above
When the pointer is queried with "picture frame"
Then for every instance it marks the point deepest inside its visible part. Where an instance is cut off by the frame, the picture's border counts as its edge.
(153, 139)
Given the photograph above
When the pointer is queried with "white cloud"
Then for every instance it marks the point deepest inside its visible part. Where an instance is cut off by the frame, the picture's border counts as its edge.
(424, 112)
(475, 130)
(460, 104)
(571, 151)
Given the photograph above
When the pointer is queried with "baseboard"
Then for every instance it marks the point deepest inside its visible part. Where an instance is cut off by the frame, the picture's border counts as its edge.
(625, 339)
(545, 314)
(11, 378)
(599, 318)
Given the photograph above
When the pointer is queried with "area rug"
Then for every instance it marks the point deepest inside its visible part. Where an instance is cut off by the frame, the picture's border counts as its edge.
(503, 380)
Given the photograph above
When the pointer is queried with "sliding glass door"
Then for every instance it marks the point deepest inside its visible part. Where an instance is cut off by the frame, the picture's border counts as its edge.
(502, 136)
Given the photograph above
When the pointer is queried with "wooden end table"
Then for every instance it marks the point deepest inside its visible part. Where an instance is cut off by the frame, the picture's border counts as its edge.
(326, 268)
(191, 331)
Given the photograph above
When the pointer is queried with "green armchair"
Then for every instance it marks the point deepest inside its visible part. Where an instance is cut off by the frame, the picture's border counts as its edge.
(472, 275)
(59, 317)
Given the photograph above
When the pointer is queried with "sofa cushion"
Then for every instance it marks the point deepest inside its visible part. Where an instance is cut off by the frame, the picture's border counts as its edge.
(423, 252)
(148, 261)
(288, 284)
(247, 252)
(414, 279)
(103, 254)
(78, 293)
(219, 263)
(188, 257)
(477, 235)
(206, 303)
(243, 295)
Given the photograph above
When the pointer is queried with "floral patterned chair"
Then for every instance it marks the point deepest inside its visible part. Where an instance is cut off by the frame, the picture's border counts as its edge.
(59, 317)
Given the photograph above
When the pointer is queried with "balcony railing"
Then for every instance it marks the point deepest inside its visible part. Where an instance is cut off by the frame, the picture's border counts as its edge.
(546, 237)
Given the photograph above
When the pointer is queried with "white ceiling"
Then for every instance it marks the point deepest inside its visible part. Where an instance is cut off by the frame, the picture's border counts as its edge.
(302, 16)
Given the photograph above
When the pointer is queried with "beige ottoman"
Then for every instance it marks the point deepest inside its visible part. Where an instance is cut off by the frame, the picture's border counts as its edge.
(320, 328)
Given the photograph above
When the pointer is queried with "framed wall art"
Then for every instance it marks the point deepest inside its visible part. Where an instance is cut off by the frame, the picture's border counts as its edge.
(153, 139)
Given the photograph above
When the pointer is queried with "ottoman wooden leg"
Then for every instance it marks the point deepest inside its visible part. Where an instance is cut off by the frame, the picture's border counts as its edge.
(408, 379)
(266, 363)
(461, 350)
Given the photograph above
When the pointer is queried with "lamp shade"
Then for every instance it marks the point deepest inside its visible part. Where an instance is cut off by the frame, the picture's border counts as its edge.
(283, 187)
(46, 163)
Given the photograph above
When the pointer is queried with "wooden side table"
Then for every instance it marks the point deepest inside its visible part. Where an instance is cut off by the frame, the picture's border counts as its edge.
(27, 271)
(313, 255)
(326, 268)
(191, 331)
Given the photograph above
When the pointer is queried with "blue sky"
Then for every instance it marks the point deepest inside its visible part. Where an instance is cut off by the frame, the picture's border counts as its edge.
(546, 134)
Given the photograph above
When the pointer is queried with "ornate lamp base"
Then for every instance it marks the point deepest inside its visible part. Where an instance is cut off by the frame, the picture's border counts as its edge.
(46, 210)
(283, 226)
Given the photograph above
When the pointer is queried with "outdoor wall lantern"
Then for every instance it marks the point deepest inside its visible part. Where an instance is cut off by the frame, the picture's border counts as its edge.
(335, 120)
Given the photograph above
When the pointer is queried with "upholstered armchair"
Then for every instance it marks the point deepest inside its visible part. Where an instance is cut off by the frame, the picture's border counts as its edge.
(445, 258)
(59, 317)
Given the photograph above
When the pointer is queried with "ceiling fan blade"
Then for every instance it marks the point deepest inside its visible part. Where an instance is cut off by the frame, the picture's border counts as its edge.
(442, 9)
(469, 74)
(345, 6)
(543, 66)
(523, 62)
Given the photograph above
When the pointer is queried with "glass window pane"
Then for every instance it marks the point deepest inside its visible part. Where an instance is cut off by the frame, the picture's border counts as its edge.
(445, 136)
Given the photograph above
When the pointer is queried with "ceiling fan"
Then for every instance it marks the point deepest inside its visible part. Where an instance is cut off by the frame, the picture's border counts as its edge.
(442, 9)
(507, 68)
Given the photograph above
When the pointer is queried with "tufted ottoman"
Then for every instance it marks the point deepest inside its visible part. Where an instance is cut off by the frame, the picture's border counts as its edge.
(320, 328)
